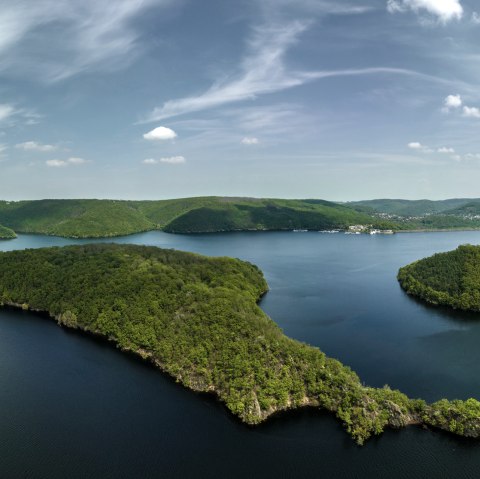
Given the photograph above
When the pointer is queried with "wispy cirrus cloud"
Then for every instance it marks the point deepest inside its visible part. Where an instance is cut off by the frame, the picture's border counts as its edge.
(322, 7)
(10, 115)
(57, 39)
(263, 70)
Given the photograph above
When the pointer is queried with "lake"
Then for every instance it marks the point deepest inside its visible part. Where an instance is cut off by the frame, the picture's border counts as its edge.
(72, 406)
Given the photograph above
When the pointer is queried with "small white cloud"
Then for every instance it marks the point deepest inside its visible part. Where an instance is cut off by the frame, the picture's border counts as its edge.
(62, 163)
(475, 18)
(471, 112)
(415, 145)
(451, 102)
(56, 163)
(472, 156)
(456, 158)
(444, 149)
(172, 160)
(77, 161)
(34, 146)
(250, 140)
(161, 133)
(443, 10)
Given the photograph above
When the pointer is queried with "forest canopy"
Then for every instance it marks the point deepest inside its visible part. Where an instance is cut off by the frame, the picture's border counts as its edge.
(197, 319)
(451, 279)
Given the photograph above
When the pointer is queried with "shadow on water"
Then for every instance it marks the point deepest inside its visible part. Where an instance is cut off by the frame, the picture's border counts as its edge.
(453, 314)
(275, 425)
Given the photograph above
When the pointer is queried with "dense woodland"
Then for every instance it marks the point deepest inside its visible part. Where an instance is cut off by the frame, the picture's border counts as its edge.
(451, 279)
(197, 318)
(6, 233)
(107, 218)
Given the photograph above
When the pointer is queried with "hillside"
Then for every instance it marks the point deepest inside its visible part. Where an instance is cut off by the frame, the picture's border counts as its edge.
(410, 207)
(472, 208)
(74, 218)
(108, 218)
(196, 318)
(451, 279)
(104, 218)
(264, 214)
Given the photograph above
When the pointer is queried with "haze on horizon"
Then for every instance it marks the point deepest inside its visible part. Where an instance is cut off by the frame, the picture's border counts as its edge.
(152, 99)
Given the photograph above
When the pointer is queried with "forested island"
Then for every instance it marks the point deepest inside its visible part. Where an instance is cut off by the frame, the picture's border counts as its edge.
(450, 279)
(197, 319)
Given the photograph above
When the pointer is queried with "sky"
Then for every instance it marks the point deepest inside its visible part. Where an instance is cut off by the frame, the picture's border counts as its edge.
(151, 99)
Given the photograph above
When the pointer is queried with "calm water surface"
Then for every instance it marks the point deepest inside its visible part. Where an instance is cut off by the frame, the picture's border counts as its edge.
(75, 407)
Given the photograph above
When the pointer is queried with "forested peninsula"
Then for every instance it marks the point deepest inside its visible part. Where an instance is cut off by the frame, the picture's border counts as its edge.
(450, 279)
(6, 233)
(197, 319)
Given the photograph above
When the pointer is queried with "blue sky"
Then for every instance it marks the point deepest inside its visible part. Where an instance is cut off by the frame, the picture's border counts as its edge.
(158, 99)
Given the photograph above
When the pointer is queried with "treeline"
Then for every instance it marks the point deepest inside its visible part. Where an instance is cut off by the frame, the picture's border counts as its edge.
(197, 318)
(451, 279)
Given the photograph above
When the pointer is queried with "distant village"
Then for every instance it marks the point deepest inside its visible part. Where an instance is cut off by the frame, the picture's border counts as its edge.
(367, 229)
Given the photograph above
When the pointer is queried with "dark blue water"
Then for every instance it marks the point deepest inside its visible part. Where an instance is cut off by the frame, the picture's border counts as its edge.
(75, 407)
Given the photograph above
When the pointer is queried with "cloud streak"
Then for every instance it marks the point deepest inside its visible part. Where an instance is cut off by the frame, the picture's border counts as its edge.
(74, 161)
(78, 36)
(172, 160)
(35, 146)
(263, 71)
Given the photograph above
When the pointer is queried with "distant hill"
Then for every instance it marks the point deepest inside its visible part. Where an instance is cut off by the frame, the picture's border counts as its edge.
(470, 208)
(107, 218)
(411, 207)
(104, 218)
(266, 214)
